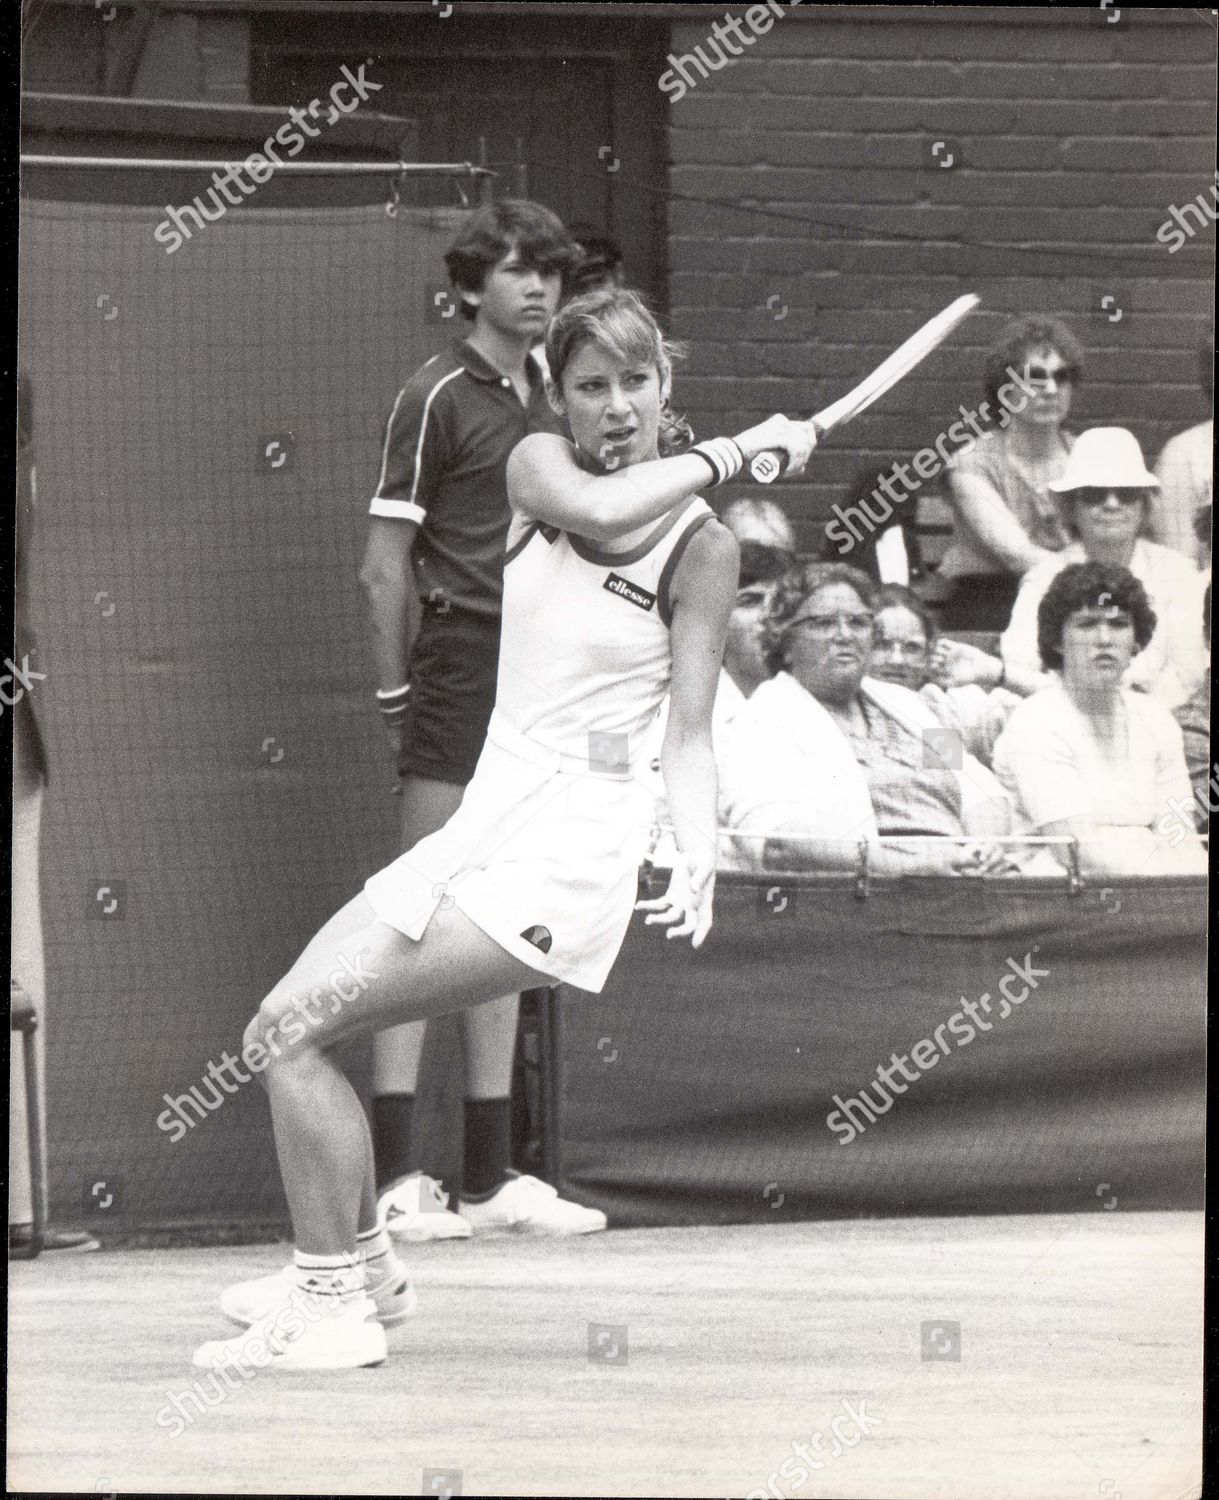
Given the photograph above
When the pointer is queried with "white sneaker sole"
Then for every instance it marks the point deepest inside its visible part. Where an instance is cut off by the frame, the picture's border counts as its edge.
(418, 1233)
(390, 1313)
(529, 1230)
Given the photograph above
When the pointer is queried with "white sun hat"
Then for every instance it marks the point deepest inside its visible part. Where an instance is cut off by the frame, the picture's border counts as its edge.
(1105, 458)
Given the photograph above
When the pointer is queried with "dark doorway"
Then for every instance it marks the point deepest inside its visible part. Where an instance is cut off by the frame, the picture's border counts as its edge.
(566, 111)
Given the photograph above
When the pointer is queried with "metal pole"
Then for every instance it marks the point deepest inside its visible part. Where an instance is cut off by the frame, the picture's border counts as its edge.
(316, 168)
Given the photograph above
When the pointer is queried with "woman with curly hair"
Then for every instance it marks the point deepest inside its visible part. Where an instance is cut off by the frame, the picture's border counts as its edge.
(1005, 518)
(824, 757)
(1087, 756)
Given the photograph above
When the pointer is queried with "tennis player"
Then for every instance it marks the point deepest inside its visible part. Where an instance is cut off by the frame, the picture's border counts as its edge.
(618, 585)
(435, 555)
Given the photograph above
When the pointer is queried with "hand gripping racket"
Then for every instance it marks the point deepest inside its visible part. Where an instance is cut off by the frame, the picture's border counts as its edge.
(767, 467)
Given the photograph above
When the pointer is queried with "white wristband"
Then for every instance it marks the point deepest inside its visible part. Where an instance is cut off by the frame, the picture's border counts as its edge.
(722, 456)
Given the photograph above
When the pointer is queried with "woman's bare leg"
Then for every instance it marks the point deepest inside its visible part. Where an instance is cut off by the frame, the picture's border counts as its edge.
(357, 975)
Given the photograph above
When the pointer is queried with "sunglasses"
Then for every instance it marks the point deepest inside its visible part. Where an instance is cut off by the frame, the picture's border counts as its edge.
(1042, 376)
(1095, 497)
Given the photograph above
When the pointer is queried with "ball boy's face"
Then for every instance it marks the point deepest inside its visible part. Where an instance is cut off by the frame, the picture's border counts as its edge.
(612, 407)
(517, 300)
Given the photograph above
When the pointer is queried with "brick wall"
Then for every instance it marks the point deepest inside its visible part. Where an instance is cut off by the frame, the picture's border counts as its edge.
(1070, 136)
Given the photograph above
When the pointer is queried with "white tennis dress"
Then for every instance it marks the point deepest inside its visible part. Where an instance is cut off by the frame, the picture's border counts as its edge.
(544, 851)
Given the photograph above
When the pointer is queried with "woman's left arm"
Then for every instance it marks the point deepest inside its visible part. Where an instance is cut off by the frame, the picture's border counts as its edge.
(703, 592)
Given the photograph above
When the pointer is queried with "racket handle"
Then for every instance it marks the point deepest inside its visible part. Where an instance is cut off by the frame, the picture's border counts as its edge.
(768, 466)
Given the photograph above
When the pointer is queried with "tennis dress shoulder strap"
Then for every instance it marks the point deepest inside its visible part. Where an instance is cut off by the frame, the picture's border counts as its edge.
(685, 535)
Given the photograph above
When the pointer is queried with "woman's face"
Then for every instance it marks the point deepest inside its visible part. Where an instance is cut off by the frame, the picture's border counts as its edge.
(1108, 521)
(1046, 379)
(743, 657)
(829, 643)
(900, 649)
(1097, 646)
(612, 408)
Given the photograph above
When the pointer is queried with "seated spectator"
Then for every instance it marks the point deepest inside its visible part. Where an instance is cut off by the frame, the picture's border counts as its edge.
(1203, 519)
(999, 489)
(908, 652)
(601, 264)
(874, 528)
(1104, 497)
(1086, 756)
(822, 757)
(768, 550)
(767, 545)
(1185, 469)
(1194, 720)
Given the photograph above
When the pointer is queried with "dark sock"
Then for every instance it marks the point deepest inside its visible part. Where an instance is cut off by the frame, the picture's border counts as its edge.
(391, 1136)
(488, 1140)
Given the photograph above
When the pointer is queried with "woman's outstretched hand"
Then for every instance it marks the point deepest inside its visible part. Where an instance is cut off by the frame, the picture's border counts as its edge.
(958, 663)
(685, 908)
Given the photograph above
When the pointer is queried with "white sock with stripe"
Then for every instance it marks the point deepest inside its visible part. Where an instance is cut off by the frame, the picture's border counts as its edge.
(334, 1281)
(377, 1254)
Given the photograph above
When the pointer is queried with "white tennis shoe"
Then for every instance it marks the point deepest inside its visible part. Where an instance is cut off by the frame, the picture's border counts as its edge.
(525, 1205)
(248, 1301)
(416, 1208)
(304, 1332)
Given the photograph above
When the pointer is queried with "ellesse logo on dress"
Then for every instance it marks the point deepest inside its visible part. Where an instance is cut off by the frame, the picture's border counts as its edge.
(631, 592)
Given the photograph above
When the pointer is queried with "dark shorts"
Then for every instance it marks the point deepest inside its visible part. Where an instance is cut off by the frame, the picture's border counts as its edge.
(452, 675)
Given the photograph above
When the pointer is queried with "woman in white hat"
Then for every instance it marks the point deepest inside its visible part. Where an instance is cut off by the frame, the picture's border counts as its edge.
(1105, 495)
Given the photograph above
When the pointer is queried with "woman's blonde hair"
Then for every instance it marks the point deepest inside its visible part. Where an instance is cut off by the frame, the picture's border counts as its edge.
(619, 321)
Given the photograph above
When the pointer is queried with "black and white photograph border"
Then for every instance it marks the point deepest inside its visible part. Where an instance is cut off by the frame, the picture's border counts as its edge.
(683, 977)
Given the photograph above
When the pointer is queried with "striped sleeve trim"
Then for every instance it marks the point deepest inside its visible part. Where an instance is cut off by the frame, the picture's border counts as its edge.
(389, 431)
(398, 510)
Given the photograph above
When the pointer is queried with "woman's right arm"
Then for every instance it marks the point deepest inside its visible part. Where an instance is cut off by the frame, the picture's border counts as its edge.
(1023, 670)
(546, 483)
(982, 514)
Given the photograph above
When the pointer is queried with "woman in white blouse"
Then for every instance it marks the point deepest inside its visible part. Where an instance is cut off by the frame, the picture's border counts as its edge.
(1089, 757)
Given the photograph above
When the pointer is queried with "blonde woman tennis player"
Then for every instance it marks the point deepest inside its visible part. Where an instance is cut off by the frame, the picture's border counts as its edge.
(617, 590)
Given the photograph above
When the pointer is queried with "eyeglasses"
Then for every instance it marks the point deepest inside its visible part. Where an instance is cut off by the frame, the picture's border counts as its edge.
(1042, 376)
(1093, 497)
(826, 625)
(910, 649)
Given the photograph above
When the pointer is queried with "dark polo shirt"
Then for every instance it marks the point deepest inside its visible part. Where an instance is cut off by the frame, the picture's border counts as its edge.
(447, 443)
